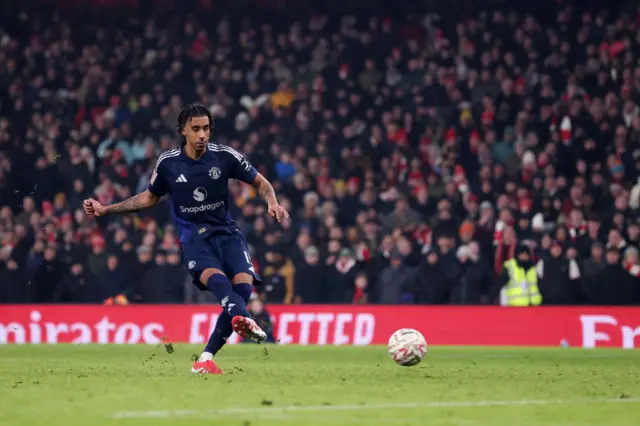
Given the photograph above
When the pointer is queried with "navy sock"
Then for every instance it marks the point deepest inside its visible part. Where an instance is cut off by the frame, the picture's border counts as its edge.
(230, 301)
(220, 334)
(244, 290)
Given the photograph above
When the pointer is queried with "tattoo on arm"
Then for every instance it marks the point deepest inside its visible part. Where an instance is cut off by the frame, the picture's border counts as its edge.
(133, 204)
(266, 192)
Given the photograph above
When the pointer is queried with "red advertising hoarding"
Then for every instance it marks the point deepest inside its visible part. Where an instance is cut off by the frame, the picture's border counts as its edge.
(328, 325)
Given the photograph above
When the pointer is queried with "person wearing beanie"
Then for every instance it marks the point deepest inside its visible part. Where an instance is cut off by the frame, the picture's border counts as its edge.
(518, 282)
(341, 277)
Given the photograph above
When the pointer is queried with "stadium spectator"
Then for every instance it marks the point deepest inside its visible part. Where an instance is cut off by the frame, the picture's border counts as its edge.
(76, 287)
(158, 282)
(430, 284)
(614, 286)
(393, 286)
(558, 276)
(278, 274)
(310, 277)
(518, 283)
(475, 280)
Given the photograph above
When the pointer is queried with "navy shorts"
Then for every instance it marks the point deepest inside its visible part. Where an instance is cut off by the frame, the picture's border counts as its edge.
(226, 252)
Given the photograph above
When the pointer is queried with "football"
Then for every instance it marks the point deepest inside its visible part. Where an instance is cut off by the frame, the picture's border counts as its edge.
(407, 347)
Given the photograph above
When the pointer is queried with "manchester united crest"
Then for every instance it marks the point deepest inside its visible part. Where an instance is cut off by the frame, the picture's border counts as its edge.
(214, 173)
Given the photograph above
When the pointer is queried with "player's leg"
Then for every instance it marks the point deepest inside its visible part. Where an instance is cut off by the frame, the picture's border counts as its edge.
(222, 330)
(233, 306)
(238, 265)
(204, 261)
(219, 337)
(246, 326)
(243, 285)
(217, 283)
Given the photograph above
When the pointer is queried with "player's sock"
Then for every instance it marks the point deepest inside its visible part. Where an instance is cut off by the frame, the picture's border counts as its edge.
(219, 337)
(231, 302)
(206, 356)
(244, 290)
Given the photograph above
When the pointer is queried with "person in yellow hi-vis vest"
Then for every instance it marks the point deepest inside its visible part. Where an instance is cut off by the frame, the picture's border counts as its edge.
(519, 281)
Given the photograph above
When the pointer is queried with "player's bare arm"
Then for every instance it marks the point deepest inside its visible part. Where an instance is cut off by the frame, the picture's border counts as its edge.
(136, 203)
(265, 189)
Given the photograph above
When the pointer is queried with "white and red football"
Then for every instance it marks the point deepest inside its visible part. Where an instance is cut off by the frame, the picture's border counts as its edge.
(407, 347)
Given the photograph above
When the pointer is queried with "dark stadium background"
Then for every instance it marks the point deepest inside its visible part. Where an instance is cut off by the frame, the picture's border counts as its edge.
(392, 130)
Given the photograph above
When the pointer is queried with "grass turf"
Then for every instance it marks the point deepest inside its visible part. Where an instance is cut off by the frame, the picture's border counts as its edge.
(135, 385)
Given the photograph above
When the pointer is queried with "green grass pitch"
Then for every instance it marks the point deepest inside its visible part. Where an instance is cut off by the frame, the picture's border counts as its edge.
(140, 385)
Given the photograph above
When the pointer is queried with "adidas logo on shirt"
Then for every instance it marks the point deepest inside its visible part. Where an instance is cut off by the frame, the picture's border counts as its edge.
(181, 178)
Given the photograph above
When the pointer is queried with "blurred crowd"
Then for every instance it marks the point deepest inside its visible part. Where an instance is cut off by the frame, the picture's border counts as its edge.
(417, 151)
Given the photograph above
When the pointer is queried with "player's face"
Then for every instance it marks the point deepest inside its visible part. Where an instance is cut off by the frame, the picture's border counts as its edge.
(197, 132)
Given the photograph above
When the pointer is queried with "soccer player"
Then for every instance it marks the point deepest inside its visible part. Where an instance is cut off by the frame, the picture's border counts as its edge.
(215, 252)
